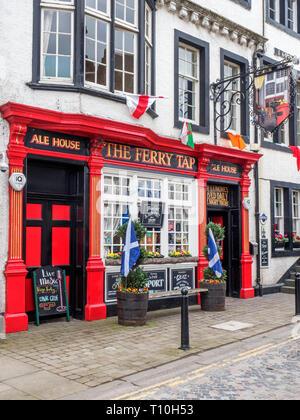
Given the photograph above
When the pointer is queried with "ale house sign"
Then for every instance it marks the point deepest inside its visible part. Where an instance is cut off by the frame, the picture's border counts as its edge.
(217, 195)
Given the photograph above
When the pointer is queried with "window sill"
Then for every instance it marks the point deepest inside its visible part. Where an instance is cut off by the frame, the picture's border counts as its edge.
(166, 260)
(282, 27)
(195, 128)
(275, 146)
(285, 253)
(244, 3)
(85, 90)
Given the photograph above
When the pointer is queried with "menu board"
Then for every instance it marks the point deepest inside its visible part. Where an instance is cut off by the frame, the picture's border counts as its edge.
(50, 292)
(157, 281)
(151, 214)
(182, 278)
(112, 281)
(264, 252)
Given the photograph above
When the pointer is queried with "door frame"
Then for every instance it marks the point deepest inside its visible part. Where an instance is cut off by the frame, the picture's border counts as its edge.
(228, 212)
(58, 198)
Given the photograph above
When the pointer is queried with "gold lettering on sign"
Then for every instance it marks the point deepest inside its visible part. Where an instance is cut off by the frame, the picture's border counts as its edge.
(217, 195)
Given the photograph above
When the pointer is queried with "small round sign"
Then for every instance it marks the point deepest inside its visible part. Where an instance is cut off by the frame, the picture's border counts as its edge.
(17, 181)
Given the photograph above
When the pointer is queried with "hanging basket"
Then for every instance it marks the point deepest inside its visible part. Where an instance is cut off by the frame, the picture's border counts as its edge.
(132, 308)
(214, 300)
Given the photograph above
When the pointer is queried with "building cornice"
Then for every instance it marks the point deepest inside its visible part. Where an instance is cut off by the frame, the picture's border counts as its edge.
(211, 21)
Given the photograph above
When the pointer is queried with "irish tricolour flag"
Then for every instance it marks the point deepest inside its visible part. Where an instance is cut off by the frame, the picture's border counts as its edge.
(186, 135)
(138, 104)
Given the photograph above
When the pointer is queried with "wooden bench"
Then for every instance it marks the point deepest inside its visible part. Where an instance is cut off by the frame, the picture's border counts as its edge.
(175, 292)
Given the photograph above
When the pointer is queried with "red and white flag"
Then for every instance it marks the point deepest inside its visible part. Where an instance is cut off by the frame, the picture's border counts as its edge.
(296, 154)
(138, 104)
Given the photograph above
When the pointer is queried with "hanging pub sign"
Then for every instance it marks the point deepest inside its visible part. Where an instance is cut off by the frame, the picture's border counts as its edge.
(152, 214)
(56, 142)
(272, 98)
(156, 158)
(50, 292)
(217, 195)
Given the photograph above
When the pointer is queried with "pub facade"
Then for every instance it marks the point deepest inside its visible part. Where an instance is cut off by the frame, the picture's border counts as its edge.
(87, 164)
(83, 180)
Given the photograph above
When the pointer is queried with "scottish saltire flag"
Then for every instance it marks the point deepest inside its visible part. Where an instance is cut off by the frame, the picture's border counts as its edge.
(213, 255)
(131, 251)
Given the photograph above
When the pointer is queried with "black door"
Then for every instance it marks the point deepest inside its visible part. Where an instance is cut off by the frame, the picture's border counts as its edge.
(54, 226)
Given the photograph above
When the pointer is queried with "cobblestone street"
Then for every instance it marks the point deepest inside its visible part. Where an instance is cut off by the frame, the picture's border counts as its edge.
(78, 355)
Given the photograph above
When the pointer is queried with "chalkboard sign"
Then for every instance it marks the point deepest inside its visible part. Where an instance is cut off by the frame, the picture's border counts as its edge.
(151, 214)
(111, 286)
(264, 252)
(157, 281)
(50, 292)
(182, 278)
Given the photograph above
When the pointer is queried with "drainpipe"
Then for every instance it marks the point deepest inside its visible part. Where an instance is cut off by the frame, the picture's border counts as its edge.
(256, 56)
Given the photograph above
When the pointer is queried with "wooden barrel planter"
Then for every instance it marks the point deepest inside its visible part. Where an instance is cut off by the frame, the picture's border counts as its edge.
(214, 300)
(132, 308)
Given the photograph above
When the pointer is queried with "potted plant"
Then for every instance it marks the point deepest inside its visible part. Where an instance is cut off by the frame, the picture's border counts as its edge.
(214, 300)
(296, 241)
(133, 294)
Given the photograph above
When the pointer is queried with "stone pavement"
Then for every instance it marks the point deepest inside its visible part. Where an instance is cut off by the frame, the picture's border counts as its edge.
(59, 359)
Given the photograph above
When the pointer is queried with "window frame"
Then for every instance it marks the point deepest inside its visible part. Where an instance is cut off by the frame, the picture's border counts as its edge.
(204, 102)
(281, 20)
(133, 200)
(77, 84)
(287, 189)
(244, 3)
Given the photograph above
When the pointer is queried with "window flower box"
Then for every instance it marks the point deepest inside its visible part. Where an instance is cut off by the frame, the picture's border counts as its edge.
(166, 260)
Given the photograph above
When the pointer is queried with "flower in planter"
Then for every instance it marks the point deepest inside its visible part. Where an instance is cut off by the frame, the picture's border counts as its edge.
(281, 238)
(181, 253)
(155, 254)
(296, 238)
(114, 255)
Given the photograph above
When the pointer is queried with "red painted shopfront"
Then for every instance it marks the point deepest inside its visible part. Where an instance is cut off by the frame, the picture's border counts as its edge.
(70, 146)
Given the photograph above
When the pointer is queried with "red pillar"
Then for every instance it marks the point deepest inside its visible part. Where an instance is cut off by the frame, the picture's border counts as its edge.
(247, 291)
(202, 177)
(95, 307)
(15, 271)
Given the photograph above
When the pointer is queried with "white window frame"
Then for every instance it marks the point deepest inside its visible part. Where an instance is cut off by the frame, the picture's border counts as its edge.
(133, 199)
(191, 78)
(148, 49)
(298, 113)
(235, 125)
(279, 215)
(60, 6)
(106, 19)
(296, 214)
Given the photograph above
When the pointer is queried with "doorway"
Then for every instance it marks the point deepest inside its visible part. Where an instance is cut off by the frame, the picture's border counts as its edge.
(54, 227)
(231, 245)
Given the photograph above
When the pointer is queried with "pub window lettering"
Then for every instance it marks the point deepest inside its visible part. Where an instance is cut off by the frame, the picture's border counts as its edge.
(109, 65)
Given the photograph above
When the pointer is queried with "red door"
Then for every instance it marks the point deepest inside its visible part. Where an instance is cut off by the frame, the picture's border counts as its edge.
(54, 236)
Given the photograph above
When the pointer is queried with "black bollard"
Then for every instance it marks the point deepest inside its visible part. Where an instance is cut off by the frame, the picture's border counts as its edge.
(185, 341)
(297, 293)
